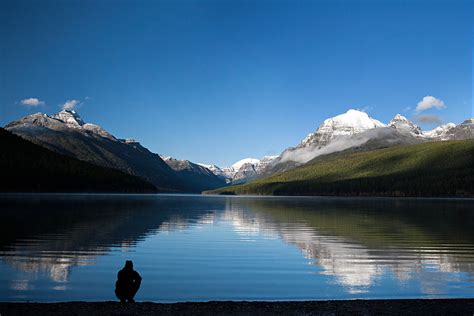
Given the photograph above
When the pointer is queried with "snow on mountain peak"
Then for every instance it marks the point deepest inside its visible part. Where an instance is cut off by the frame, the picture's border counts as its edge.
(349, 123)
(355, 119)
(243, 170)
(440, 132)
(70, 117)
(404, 125)
(165, 158)
(399, 117)
(240, 163)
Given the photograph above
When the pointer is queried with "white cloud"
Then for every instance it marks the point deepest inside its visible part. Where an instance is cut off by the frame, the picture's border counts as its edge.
(70, 104)
(429, 102)
(32, 102)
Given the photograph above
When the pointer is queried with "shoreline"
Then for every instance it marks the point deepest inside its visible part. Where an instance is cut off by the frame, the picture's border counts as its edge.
(263, 196)
(458, 306)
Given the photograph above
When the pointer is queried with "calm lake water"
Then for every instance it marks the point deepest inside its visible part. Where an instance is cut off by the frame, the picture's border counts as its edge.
(199, 248)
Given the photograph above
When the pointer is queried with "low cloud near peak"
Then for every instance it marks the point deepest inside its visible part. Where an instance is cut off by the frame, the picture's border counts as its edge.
(32, 102)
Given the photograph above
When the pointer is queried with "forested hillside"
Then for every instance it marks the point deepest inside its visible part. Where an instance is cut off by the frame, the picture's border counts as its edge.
(27, 167)
(434, 169)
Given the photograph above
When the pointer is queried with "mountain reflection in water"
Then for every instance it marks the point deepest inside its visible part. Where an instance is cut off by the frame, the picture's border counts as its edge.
(197, 244)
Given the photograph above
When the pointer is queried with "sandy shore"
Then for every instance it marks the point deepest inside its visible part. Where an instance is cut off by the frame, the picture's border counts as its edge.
(355, 307)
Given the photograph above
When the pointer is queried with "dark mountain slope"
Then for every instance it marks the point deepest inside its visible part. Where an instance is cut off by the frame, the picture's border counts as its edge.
(194, 175)
(66, 133)
(27, 167)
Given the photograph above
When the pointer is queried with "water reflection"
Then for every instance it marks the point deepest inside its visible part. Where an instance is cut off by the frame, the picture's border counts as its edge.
(358, 240)
(355, 243)
(52, 234)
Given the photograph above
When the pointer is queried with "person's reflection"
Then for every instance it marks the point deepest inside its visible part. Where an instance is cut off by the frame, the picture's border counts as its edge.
(128, 283)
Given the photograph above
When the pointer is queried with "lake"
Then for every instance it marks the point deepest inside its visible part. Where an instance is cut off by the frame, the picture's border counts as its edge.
(63, 247)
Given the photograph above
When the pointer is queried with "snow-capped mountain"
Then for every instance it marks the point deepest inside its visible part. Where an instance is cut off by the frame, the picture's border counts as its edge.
(64, 120)
(245, 173)
(243, 170)
(404, 125)
(334, 134)
(441, 132)
(253, 161)
(219, 172)
(68, 134)
(451, 131)
(353, 130)
(70, 118)
(346, 124)
(356, 130)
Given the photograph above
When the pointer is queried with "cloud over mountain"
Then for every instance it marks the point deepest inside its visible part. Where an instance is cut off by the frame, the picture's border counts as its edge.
(32, 102)
(429, 102)
(70, 104)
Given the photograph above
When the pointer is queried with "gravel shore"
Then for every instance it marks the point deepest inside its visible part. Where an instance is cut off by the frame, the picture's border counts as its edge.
(350, 307)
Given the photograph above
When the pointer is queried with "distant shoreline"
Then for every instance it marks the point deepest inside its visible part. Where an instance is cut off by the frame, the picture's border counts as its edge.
(262, 196)
(209, 193)
(460, 306)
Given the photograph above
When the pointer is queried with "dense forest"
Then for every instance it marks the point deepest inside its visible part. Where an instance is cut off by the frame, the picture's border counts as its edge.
(434, 169)
(27, 167)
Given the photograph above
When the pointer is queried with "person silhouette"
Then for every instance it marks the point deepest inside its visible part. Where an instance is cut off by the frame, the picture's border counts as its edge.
(128, 283)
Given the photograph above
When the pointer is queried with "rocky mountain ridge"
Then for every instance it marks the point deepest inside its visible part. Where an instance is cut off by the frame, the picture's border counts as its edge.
(67, 133)
(194, 173)
(354, 130)
(243, 170)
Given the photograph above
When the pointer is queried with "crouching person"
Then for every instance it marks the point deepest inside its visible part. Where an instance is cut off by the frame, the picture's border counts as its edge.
(128, 283)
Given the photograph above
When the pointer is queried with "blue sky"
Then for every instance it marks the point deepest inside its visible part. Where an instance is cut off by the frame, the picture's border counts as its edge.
(217, 81)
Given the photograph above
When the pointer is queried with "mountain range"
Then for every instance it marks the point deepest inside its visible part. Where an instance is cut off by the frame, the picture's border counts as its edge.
(67, 133)
(194, 175)
(243, 170)
(428, 169)
(354, 131)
